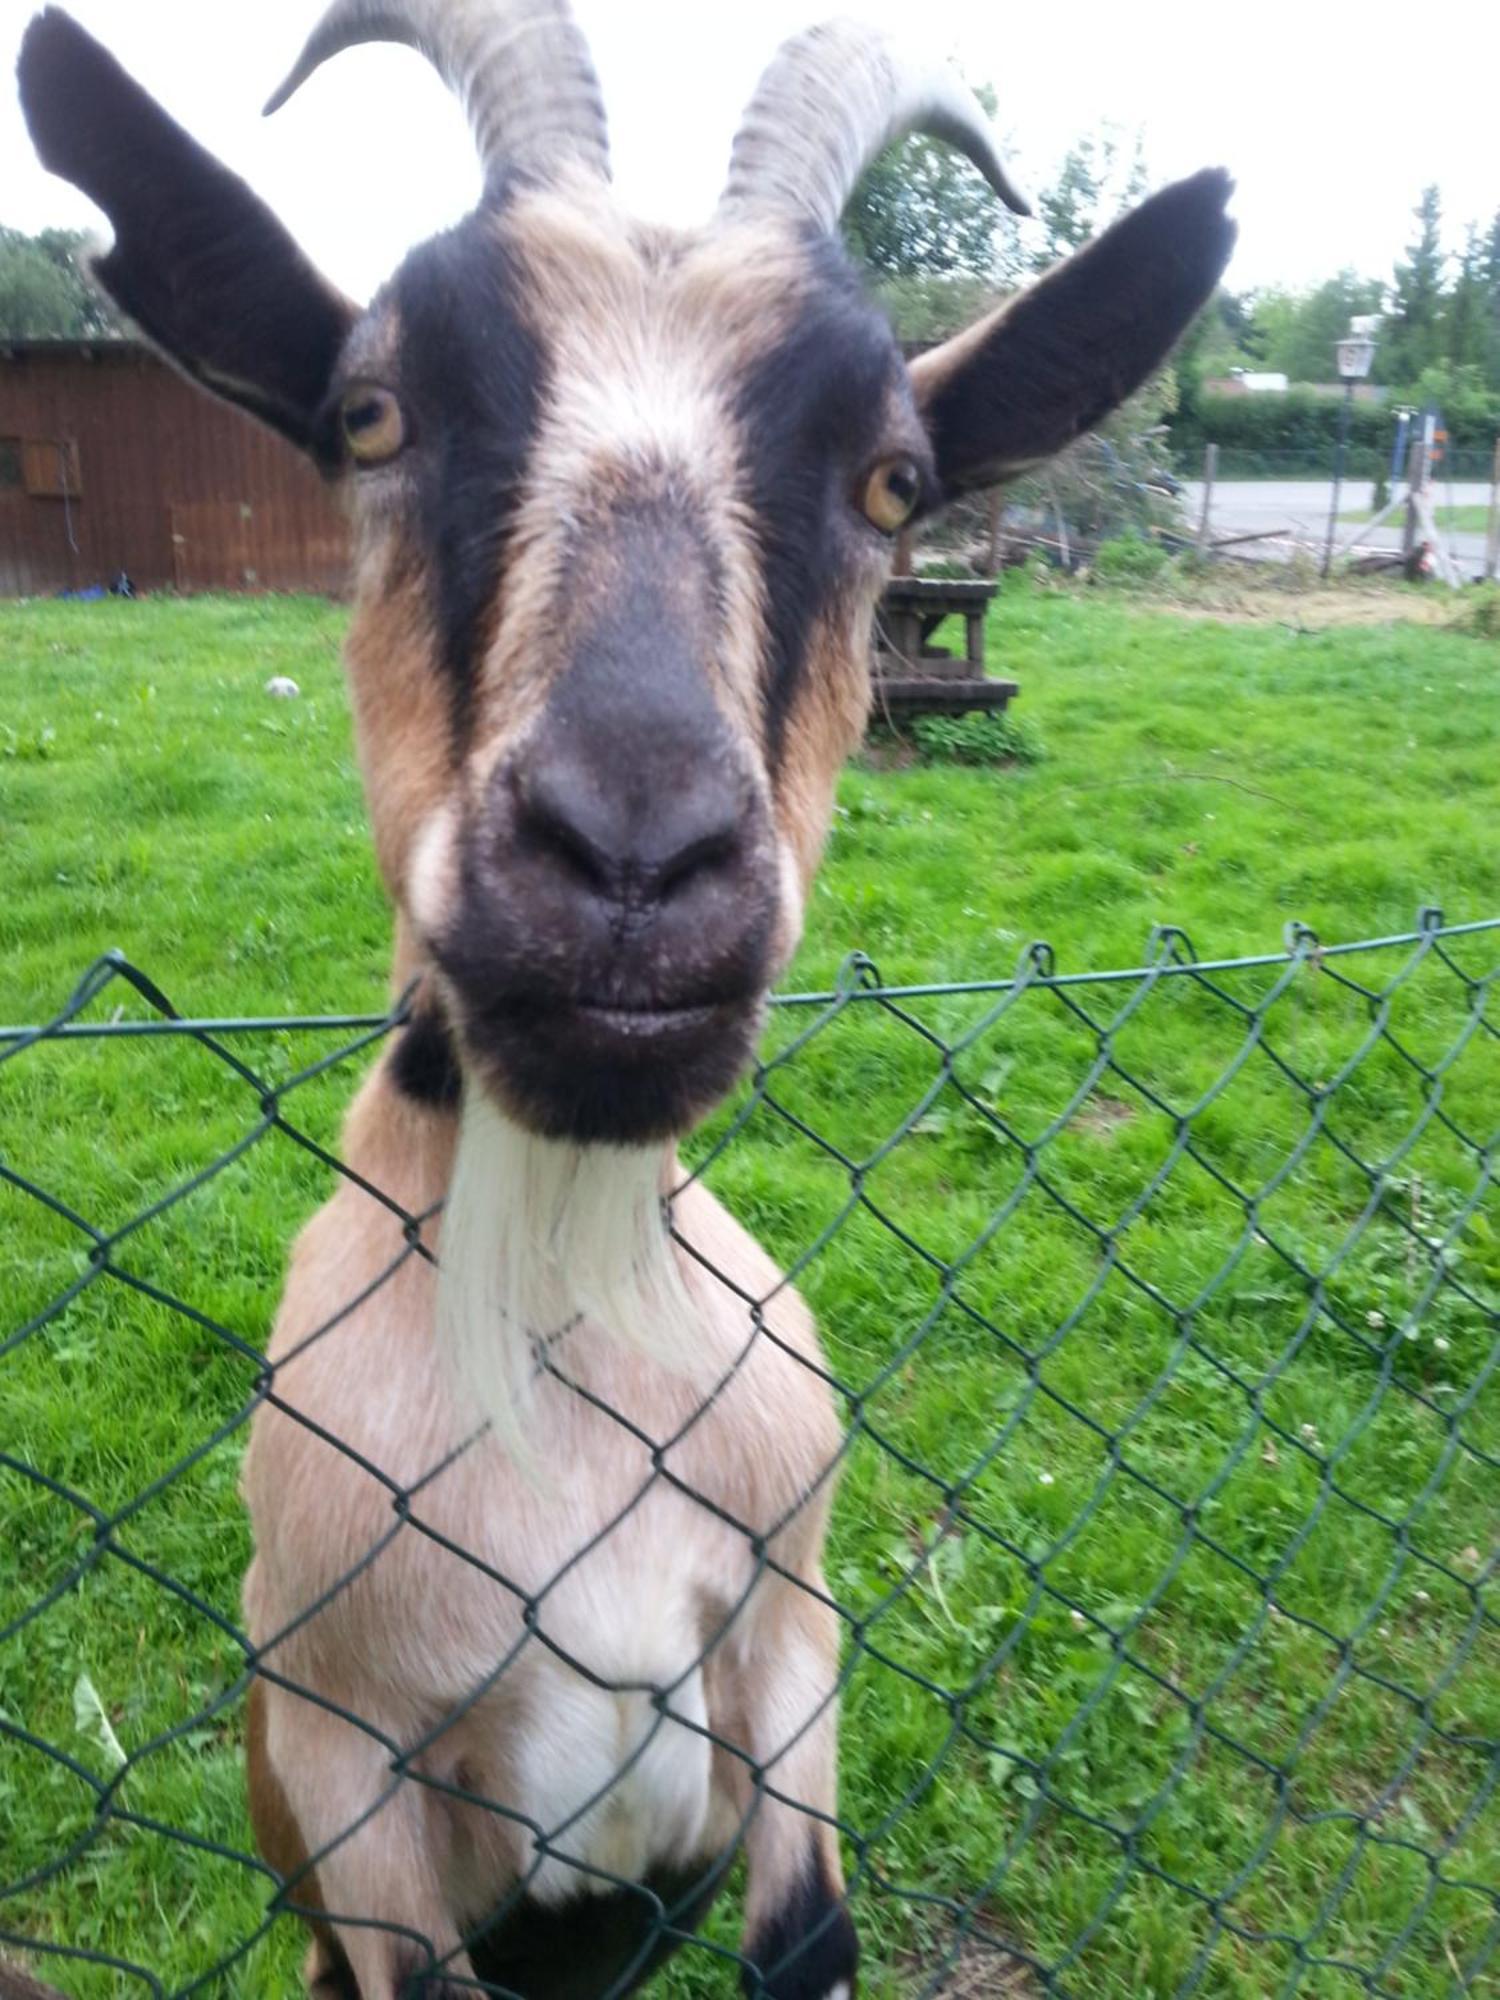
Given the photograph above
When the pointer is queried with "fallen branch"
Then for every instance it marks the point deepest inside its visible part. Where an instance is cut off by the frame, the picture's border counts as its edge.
(1193, 778)
(1261, 535)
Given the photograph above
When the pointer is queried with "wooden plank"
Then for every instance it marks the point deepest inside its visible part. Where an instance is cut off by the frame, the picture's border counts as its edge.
(931, 667)
(974, 633)
(925, 697)
(958, 593)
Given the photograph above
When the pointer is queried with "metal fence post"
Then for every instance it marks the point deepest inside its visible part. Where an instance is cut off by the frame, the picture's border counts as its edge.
(1210, 472)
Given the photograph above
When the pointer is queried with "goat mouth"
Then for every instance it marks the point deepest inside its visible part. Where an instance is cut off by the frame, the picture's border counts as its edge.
(612, 1071)
(646, 1023)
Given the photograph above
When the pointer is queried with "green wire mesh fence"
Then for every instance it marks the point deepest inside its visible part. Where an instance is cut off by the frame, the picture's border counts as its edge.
(1163, 1311)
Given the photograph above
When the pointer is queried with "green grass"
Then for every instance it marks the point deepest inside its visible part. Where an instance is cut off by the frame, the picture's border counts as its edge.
(1464, 520)
(1077, 1683)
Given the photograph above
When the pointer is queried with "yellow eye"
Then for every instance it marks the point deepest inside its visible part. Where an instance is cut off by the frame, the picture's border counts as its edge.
(374, 428)
(891, 494)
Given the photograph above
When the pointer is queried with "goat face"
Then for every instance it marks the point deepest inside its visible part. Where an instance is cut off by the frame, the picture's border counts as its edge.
(624, 502)
(631, 522)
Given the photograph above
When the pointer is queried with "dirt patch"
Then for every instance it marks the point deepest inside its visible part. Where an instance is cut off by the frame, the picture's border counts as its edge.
(1103, 1116)
(882, 751)
(1234, 601)
(983, 1970)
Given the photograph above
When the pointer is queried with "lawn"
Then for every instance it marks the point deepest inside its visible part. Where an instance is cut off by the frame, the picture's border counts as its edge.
(1462, 520)
(1167, 1533)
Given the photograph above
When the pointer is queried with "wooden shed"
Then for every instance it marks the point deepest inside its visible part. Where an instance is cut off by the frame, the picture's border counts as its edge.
(111, 464)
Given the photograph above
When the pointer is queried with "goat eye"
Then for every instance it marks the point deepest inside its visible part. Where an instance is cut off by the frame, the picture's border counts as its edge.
(891, 494)
(374, 427)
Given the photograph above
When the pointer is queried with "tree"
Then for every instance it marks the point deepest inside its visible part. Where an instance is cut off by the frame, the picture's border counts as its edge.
(922, 210)
(1211, 347)
(1095, 182)
(1294, 333)
(44, 293)
(939, 245)
(942, 249)
(1413, 339)
(1465, 331)
(1490, 279)
(1067, 209)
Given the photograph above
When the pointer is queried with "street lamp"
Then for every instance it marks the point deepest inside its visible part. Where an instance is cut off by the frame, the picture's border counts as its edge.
(1356, 354)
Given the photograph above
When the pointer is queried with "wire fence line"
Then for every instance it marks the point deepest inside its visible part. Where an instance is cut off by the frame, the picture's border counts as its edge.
(1163, 1308)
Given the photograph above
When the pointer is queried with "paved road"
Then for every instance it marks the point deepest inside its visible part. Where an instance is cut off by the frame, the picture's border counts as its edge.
(1300, 507)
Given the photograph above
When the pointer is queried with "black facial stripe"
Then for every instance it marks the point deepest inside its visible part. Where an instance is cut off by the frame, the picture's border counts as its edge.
(472, 381)
(810, 415)
(424, 1063)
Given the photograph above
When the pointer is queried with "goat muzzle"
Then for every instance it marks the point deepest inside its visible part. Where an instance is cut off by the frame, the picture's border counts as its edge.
(611, 941)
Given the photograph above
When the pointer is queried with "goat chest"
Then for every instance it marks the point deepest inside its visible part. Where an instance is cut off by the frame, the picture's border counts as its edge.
(557, 1639)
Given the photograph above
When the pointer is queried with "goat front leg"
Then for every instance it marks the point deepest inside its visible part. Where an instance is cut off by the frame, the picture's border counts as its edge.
(800, 1943)
(381, 1916)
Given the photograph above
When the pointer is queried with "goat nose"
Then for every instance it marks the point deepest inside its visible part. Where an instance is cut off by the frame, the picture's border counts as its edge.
(629, 833)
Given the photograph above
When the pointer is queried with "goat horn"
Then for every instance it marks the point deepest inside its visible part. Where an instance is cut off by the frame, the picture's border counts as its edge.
(831, 102)
(521, 67)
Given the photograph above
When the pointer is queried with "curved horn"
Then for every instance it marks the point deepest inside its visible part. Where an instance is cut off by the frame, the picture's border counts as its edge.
(831, 102)
(521, 67)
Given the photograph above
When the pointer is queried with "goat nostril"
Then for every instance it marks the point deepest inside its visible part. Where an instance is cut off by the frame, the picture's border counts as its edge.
(627, 845)
(555, 835)
(706, 855)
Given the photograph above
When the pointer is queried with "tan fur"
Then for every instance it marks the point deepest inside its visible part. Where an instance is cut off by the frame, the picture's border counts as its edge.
(642, 330)
(400, 712)
(647, 332)
(825, 726)
(476, 1614)
(420, 1630)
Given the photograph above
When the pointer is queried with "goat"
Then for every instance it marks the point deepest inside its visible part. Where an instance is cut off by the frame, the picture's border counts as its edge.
(540, 1630)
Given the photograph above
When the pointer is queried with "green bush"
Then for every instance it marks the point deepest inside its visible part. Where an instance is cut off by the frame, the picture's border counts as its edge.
(1129, 560)
(1481, 612)
(1254, 432)
(977, 739)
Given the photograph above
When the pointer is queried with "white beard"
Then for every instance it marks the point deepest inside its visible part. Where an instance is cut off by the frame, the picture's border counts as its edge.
(538, 1238)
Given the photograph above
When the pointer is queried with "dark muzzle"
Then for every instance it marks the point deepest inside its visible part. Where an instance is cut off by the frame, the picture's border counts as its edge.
(620, 891)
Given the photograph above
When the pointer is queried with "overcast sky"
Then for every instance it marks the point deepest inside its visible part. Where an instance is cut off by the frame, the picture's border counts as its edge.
(1331, 117)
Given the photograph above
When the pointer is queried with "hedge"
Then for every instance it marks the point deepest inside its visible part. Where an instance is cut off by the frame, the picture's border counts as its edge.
(1302, 422)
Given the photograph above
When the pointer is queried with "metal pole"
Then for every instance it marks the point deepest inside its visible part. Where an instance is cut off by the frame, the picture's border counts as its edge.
(1492, 540)
(1338, 474)
(1210, 468)
(1416, 480)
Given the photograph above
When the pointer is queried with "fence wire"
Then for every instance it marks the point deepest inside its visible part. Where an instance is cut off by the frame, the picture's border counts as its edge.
(1162, 1309)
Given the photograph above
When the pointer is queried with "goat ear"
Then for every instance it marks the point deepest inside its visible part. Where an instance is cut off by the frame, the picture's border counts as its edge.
(1050, 364)
(199, 261)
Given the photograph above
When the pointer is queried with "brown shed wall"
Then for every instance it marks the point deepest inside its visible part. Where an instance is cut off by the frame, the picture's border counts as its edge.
(174, 489)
